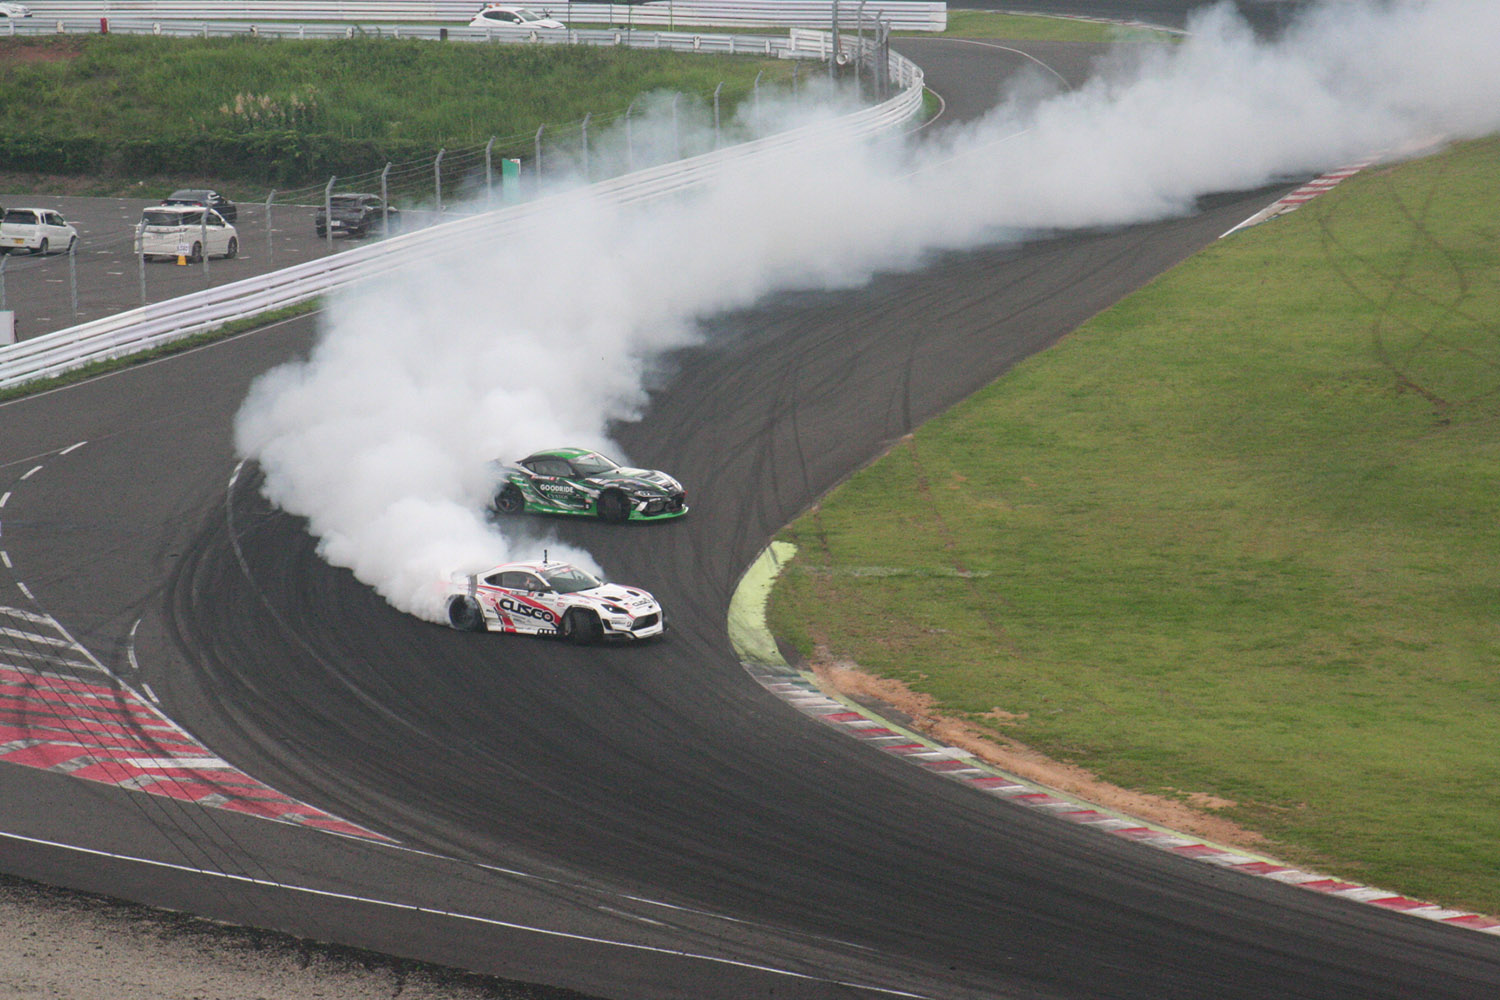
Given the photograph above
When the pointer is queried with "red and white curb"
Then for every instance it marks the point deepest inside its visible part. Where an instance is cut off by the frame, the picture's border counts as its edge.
(62, 711)
(758, 655)
(1304, 194)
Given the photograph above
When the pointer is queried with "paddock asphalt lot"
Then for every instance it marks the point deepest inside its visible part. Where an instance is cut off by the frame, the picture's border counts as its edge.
(105, 277)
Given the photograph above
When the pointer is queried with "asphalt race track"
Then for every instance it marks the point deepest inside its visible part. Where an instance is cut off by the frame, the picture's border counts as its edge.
(637, 822)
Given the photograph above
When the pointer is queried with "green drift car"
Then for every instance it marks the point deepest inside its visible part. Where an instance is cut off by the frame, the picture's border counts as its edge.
(578, 481)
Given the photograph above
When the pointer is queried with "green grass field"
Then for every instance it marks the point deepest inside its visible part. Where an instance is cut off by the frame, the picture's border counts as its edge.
(1238, 535)
(270, 106)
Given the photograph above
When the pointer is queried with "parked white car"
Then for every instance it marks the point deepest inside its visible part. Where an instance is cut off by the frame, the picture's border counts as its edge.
(185, 231)
(506, 16)
(37, 230)
(10, 10)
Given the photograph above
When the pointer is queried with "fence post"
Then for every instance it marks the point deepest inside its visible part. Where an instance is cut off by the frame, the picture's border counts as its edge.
(203, 236)
(586, 117)
(755, 91)
(328, 212)
(717, 142)
(629, 145)
(859, 34)
(141, 260)
(539, 156)
(3, 257)
(73, 277)
(833, 52)
(437, 178)
(270, 243)
(385, 201)
(489, 172)
(676, 133)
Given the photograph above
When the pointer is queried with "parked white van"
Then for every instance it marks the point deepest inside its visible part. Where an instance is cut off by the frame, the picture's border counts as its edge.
(185, 231)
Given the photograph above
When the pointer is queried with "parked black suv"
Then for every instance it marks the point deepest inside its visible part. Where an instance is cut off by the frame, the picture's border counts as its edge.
(203, 196)
(357, 215)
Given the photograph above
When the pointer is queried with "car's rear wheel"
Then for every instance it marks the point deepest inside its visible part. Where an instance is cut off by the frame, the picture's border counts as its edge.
(233, 250)
(72, 244)
(464, 614)
(613, 507)
(509, 501)
(41, 248)
(581, 627)
(197, 255)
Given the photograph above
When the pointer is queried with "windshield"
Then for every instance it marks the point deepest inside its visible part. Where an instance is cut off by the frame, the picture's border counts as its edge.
(570, 579)
(592, 464)
(20, 215)
(345, 200)
(160, 218)
(527, 15)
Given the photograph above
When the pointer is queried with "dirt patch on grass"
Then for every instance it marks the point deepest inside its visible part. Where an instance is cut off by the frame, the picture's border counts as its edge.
(917, 712)
(39, 51)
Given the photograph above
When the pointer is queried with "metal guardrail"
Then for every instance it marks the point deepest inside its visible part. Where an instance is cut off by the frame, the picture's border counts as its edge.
(902, 15)
(724, 44)
(163, 322)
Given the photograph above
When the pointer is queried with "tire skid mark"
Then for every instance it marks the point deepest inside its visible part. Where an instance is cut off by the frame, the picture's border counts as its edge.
(64, 711)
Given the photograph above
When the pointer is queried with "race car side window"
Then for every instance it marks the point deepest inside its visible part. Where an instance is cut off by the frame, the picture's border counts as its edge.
(551, 467)
(514, 580)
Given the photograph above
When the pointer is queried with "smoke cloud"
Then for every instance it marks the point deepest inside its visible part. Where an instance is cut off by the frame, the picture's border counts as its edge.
(384, 436)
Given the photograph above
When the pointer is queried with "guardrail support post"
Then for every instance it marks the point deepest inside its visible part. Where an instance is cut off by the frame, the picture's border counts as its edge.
(437, 178)
(328, 212)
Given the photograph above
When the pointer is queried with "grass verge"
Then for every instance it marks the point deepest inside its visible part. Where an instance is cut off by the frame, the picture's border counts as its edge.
(1238, 536)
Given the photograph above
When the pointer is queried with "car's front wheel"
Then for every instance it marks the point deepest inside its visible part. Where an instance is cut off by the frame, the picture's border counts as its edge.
(509, 501)
(613, 507)
(581, 627)
(233, 250)
(464, 614)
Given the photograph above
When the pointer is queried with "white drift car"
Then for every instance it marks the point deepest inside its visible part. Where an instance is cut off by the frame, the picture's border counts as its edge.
(551, 598)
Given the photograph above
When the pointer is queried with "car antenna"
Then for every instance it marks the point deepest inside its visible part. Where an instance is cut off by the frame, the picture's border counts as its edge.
(544, 557)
